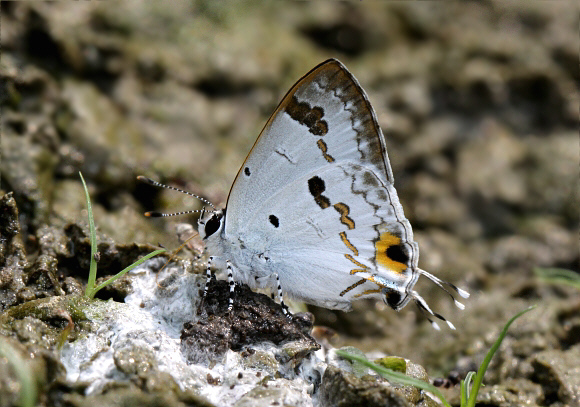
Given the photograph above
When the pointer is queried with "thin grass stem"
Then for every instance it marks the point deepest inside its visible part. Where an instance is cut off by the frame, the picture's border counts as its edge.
(395, 376)
(481, 371)
(28, 390)
(126, 270)
(93, 240)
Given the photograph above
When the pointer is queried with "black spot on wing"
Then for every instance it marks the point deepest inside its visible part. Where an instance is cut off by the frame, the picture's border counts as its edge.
(396, 253)
(393, 298)
(274, 221)
(310, 117)
(247, 171)
(316, 187)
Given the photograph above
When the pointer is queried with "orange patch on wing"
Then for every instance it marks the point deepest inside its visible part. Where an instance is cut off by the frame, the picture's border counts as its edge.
(385, 241)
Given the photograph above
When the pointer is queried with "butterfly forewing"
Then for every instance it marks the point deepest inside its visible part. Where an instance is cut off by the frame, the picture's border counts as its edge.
(325, 118)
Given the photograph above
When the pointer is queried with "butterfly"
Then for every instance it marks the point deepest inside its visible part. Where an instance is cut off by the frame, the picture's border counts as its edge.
(313, 211)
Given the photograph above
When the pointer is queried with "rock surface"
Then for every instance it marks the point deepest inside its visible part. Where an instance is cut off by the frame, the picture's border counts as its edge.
(479, 104)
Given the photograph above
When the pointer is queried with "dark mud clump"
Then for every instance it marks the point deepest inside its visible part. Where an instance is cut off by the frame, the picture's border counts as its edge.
(254, 318)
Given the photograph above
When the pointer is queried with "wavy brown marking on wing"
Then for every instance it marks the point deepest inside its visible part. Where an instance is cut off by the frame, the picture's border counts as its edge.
(375, 291)
(352, 287)
(359, 264)
(348, 243)
(364, 268)
(354, 271)
(344, 210)
(286, 155)
(315, 226)
(324, 148)
(310, 117)
(367, 292)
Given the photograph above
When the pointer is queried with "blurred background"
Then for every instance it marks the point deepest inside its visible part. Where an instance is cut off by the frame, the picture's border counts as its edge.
(478, 102)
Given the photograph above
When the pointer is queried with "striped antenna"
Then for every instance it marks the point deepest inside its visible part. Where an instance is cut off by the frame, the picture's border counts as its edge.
(155, 214)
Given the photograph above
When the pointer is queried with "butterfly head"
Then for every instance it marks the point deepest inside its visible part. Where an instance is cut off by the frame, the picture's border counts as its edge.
(392, 293)
(210, 223)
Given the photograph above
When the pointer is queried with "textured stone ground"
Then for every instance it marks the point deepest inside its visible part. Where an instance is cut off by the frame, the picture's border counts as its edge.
(478, 101)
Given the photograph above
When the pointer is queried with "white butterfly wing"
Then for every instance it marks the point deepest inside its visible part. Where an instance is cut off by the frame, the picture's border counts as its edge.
(325, 110)
(315, 195)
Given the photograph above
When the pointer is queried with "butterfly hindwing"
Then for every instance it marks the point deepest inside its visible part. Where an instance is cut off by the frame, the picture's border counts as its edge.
(337, 240)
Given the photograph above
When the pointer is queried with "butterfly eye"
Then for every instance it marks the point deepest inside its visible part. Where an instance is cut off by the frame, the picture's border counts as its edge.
(212, 225)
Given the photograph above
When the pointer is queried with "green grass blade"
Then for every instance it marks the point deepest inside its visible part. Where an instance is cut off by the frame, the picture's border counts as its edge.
(93, 240)
(28, 389)
(465, 387)
(125, 271)
(395, 376)
(481, 371)
(558, 276)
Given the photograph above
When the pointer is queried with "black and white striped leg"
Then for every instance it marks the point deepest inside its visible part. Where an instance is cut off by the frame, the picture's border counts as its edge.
(232, 285)
(207, 275)
(281, 297)
(207, 281)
